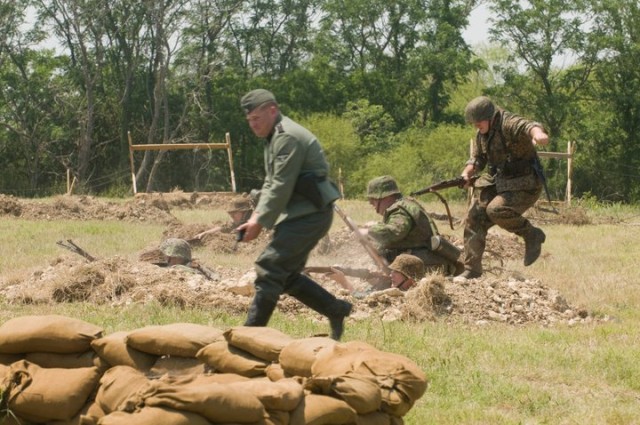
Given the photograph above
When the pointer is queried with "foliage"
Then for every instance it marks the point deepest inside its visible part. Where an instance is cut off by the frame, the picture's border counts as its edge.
(173, 71)
(419, 158)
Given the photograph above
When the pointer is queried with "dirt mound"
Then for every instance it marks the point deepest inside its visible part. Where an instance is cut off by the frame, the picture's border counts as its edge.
(117, 281)
(87, 208)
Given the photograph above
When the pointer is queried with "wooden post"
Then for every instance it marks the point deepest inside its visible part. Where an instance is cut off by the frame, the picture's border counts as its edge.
(571, 149)
(180, 146)
(227, 138)
(133, 170)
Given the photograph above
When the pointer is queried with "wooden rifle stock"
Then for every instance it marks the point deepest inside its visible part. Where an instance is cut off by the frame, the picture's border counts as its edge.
(380, 262)
(445, 184)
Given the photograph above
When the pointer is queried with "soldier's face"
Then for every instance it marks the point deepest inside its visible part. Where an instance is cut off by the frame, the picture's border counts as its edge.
(482, 126)
(261, 119)
(381, 205)
(400, 281)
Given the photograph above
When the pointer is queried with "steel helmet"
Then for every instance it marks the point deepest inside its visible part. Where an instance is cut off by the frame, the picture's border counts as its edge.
(479, 109)
(409, 265)
(174, 247)
(381, 187)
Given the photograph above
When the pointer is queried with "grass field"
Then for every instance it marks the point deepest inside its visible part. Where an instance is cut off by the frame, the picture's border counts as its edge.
(491, 374)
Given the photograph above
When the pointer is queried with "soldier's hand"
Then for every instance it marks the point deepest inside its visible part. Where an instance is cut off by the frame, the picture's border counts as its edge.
(251, 230)
(538, 136)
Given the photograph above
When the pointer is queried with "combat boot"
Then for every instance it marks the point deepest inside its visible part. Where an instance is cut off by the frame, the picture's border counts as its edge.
(260, 310)
(319, 299)
(533, 241)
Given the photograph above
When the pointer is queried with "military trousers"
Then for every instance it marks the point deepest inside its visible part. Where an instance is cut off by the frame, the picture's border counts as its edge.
(489, 208)
(279, 266)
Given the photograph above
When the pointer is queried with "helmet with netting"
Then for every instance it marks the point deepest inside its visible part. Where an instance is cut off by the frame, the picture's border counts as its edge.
(479, 109)
(174, 247)
(409, 265)
(381, 187)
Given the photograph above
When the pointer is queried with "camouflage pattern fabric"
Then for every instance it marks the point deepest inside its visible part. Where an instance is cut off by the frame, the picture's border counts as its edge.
(508, 142)
(409, 265)
(407, 228)
(174, 247)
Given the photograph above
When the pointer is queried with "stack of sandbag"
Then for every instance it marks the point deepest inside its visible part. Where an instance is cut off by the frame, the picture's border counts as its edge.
(159, 349)
(186, 373)
(53, 371)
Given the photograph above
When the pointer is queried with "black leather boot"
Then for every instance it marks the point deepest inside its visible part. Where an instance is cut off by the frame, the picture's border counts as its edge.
(260, 310)
(533, 241)
(319, 299)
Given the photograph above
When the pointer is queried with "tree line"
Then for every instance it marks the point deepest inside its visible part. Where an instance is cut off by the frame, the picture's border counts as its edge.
(382, 83)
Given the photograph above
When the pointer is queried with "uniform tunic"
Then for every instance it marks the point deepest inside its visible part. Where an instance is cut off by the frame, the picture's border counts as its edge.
(507, 190)
(290, 152)
(407, 228)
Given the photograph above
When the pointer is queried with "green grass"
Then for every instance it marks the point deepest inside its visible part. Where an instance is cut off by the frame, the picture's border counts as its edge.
(491, 374)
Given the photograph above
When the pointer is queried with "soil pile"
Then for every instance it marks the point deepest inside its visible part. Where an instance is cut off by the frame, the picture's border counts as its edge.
(499, 295)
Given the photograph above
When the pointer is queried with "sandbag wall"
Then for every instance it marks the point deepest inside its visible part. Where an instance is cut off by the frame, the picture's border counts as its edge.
(58, 370)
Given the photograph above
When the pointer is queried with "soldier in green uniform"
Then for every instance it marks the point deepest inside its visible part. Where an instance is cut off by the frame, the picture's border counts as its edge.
(177, 252)
(506, 145)
(406, 271)
(296, 201)
(405, 228)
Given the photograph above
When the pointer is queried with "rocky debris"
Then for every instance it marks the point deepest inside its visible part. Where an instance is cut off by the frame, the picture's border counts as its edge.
(499, 296)
(117, 281)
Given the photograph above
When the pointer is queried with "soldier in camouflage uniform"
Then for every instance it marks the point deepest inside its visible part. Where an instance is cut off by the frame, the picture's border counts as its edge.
(405, 228)
(506, 145)
(177, 251)
(296, 199)
(406, 271)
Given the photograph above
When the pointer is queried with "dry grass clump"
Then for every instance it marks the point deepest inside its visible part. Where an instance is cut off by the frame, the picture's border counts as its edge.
(426, 300)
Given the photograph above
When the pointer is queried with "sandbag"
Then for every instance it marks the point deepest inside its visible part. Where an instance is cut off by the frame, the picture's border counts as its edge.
(374, 418)
(276, 417)
(89, 415)
(176, 339)
(297, 357)
(153, 416)
(283, 395)
(7, 359)
(361, 392)
(209, 378)
(114, 350)
(338, 359)
(215, 402)
(228, 359)
(175, 365)
(66, 361)
(11, 419)
(117, 385)
(32, 396)
(49, 334)
(401, 381)
(275, 372)
(322, 410)
(4, 370)
(263, 342)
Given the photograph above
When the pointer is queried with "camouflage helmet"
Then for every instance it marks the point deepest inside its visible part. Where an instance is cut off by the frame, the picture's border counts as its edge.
(409, 265)
(479, 109)
(174, 247)
(241, 204)
(381, 187)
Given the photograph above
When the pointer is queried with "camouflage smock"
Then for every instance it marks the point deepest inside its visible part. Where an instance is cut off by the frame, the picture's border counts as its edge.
(405, 224)
(505, 148)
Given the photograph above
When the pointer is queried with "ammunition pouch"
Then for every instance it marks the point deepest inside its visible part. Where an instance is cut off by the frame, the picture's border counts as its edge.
(307, 187)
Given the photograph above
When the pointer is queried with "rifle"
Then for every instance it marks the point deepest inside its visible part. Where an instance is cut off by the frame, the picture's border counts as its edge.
(445, 184)
(377, 279)
(71, 246)
(381, 263)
